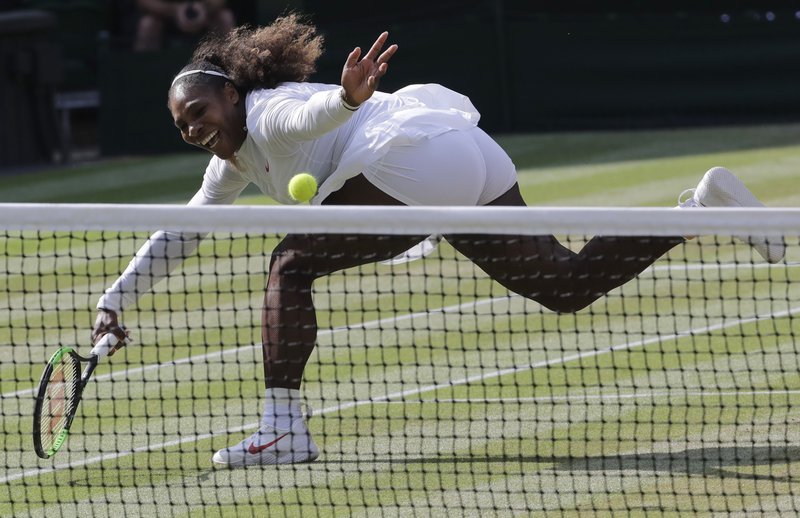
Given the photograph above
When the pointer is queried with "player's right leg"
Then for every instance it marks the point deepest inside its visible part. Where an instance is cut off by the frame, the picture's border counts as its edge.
(289, 329)
(289, 335)
(291, 444)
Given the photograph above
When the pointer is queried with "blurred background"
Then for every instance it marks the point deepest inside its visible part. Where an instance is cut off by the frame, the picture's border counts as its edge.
(81, 81)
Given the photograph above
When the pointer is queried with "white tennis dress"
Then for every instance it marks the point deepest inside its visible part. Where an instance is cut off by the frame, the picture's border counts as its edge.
(420, 145)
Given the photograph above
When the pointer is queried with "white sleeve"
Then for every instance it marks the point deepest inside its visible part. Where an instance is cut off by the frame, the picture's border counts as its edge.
(288, 119)
(161, 254)
(164, 250)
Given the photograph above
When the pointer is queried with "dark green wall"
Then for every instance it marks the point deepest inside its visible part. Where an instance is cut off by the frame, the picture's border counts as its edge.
(133, 115)
(550, 67)
(653, 69)
(528, 68)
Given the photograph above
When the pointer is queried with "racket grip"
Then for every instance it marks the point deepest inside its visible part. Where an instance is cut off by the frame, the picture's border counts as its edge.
(104, 346)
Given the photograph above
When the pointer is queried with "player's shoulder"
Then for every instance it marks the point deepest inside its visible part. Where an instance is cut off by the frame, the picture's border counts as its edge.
(223, 170)
(216, 167)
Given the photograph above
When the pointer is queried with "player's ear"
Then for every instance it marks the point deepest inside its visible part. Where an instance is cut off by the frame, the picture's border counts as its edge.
(231, 93)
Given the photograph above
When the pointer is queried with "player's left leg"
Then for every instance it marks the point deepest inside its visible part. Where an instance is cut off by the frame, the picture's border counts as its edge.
(721, 188)
(544, 270)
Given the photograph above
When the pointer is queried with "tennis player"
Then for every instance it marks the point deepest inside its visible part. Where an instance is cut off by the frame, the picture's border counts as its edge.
(245, 99)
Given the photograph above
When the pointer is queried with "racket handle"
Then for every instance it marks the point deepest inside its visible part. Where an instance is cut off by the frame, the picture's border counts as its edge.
(104, 346)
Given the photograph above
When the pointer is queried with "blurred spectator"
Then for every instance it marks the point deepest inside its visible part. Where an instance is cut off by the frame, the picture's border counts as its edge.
(192, 17)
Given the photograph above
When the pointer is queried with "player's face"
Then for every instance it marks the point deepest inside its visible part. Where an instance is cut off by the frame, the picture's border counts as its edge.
(210, 118)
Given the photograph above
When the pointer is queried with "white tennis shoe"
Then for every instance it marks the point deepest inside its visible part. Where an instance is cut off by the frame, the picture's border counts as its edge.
(721, 188)
(271, 446)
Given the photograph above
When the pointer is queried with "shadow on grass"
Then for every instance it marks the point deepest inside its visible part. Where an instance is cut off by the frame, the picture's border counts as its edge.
(140, 477)
(722, 462)
(738, 462)
(728, 462)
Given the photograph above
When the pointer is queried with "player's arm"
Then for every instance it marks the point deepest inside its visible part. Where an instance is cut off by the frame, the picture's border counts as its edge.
(290, 119)
(286, 119)
(163, 252)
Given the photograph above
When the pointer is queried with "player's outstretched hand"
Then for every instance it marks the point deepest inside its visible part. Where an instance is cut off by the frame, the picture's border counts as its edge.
(106, 322)
(360, 76)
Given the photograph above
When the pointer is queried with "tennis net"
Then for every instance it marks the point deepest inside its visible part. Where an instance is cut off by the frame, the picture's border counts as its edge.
(435, 390)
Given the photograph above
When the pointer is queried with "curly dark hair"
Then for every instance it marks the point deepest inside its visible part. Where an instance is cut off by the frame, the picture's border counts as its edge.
(259, 57)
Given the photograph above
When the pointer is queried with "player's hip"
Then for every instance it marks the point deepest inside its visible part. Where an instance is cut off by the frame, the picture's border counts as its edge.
(460, 167)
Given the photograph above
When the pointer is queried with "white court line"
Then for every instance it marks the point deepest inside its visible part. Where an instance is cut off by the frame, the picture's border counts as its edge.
(126, 373)
(192, 359)
(378, 323)
(672, 394)
(409, 392)
(563, 359)
(719, 266)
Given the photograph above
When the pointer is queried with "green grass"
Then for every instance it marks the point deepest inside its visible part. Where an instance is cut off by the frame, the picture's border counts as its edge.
(494, 406)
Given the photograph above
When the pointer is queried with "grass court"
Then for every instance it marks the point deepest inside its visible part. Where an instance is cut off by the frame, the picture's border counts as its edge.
(434, 391)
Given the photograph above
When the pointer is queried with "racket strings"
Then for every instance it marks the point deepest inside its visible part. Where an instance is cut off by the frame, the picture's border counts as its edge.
(58, 400)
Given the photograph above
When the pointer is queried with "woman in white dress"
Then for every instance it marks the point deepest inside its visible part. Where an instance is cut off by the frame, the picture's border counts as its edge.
(244, 98)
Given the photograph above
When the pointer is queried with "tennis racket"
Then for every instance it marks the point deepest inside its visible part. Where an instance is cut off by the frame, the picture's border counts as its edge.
(59, 394)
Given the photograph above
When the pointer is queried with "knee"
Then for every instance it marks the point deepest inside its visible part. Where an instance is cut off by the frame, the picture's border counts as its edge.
(293, 259)
(290, 264)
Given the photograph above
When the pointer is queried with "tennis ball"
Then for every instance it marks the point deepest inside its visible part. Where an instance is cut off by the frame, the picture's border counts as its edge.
(302, 187)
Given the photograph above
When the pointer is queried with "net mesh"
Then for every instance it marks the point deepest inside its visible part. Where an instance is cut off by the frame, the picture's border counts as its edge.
(434, 388)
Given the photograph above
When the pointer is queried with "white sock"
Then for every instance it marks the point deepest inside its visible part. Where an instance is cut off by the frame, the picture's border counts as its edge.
(282, 406)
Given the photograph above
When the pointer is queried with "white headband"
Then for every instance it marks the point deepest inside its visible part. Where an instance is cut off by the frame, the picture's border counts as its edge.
(190, 72)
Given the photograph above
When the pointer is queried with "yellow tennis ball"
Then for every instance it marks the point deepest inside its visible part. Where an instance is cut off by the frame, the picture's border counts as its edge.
(302, 187)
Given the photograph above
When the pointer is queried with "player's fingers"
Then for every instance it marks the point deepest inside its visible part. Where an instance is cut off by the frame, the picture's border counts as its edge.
(122, 334)
(373, 80)
(98, 335)
(352, 58)
(100, 329)
(123, 340)
(387, 55)
(116, 348)
(376, 47)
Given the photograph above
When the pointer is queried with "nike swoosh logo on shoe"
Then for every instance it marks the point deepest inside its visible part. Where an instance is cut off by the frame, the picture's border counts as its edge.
(257, 449)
